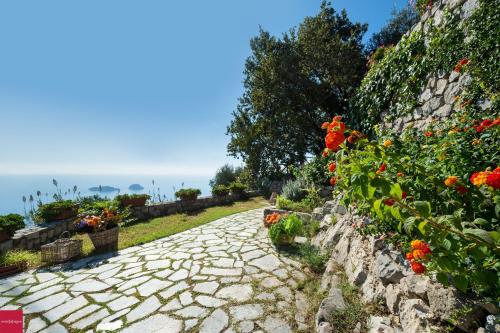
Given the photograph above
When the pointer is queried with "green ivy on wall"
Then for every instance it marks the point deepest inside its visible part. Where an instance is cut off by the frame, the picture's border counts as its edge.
(392, 86)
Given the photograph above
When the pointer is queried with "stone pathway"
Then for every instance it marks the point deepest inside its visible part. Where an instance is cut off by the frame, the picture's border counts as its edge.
(221, 277)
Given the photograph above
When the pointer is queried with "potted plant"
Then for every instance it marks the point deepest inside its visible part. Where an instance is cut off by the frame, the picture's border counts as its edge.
(273, 218)
(16, 261)
(187, 194)
(237, 188)
(9, 224)
(132, 200)
(102, 229)
(284, 231)
(57, 211)
(220, 191)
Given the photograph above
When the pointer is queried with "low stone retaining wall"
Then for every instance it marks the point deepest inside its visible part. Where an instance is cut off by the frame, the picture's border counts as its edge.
(34, 237)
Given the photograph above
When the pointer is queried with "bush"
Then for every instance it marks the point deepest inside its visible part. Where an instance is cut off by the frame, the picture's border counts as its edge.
(237, 188)
(226, 175)
(306, 205)
(52, 211)
(283, 232)
(294, 190)
(188, 193)
(19, 258)
(313, 172)
(10, 223)
(313, 258)
(220, 191)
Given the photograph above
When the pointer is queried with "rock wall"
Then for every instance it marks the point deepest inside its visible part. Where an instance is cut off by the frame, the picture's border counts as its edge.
(437, 98)
(412, 303)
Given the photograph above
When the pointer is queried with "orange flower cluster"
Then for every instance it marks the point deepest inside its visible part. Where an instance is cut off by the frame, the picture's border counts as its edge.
(453, 181)
(387, 143)
(355, 136)
(92, 221)
(460, 65)
(487, 177)
(333, 181)
(272, 219)
(487, 123)
(335, 134)
(428, 134)
(420, 250)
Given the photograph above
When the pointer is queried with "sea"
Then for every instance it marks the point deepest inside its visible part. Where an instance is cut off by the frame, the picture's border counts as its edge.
(14, 187)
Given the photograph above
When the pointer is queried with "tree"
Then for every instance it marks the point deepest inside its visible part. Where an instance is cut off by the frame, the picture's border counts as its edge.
(400, 22)
(292, 84)
(225, 175)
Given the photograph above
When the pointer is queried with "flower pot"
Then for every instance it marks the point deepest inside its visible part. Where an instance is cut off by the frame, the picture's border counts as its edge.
(106, 240)
(9, 270)
(134, 202)
(285, 240)
(64, 213)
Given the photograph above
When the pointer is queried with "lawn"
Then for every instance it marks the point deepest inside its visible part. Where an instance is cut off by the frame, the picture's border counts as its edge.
(147, 231)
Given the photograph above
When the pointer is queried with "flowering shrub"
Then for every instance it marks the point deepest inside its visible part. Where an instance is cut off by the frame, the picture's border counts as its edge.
(438, 188)
(272, 219)
(93, 223)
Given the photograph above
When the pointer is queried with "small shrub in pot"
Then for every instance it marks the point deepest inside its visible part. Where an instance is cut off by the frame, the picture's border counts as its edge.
(188, 194)
(9, 224)
(56, 211)
(132, 200)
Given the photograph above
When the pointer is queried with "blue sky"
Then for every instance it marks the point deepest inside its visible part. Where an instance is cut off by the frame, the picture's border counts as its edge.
(122, 86)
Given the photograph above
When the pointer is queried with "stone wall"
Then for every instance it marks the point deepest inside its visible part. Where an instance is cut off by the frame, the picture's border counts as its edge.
(34, 237)
(412, 303)
(437, 98)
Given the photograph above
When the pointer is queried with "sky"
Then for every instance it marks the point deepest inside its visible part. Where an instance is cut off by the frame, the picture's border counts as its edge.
(133, 87)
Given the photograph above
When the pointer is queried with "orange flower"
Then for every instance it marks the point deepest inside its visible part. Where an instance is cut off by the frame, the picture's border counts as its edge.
(409, 256)
(428, 134)
(450, 181)
(420, 254)
(382, 168)
(479, 178)
(400, 174)
(336, 126)
(387, 143)
(334, 139)
(417, 267)
(333, 181)
(476, 142)
(460, 65)
(332, 166)
(325, 125)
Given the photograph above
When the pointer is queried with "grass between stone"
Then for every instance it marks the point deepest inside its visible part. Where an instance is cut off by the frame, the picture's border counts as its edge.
(150, 230)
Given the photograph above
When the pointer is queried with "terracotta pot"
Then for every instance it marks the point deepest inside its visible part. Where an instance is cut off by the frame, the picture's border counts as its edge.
(12, 269)
(134, 202)
(64, 213)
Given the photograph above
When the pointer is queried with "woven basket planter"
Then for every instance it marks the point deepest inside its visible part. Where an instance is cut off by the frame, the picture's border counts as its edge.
(62, 249)
(106, 240)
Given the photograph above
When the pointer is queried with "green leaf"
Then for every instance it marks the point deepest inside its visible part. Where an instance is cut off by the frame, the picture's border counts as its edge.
(383, 184)
(421, 227)
(396, 191)
(461, 282)
(409, 224)
(442, 278)
(376, 207)
(423, 208)
(480, 221)
(495, 235)
(395, 212)
(480, 234)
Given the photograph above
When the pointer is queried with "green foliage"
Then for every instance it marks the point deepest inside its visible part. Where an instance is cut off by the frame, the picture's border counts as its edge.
(237, 188)
(460, 221)
(313, 257)
(220, 190)
(50, 211)
(304, 77)
(225, 175)
(11, 222)
(294, 190)
(121, 197)
(400, 22)
(306, 205)
(313, 172)
(391, 86)
(20, 258)
(283, 232)
(188, 193)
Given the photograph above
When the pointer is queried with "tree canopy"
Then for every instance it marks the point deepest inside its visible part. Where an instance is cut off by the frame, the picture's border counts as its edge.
(292, 84)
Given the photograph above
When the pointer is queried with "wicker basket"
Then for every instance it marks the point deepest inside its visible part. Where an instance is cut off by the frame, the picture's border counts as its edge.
(62, 249)
(106, 240)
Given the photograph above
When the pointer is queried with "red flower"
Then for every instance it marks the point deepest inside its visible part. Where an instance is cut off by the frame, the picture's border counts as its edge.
(486, 123)
(404, 195)
(479, 129)
(409, 256)
(332, 167)
(428, 133)
(333, 181)
(460, 64)
(493, 179)
(461, 189)
(389, 202)
(382, 168)
(334, 139)
(417, 267)
(325, 125)
(336, 126)
(325, 153)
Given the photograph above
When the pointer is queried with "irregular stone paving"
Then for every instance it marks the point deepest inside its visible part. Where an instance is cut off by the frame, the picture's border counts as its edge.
(221, 277)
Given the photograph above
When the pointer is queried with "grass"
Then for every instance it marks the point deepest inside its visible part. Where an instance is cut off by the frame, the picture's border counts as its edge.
(147, 231)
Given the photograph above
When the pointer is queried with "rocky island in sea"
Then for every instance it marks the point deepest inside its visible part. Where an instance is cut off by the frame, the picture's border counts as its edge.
(136, 187)
(105, 188)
